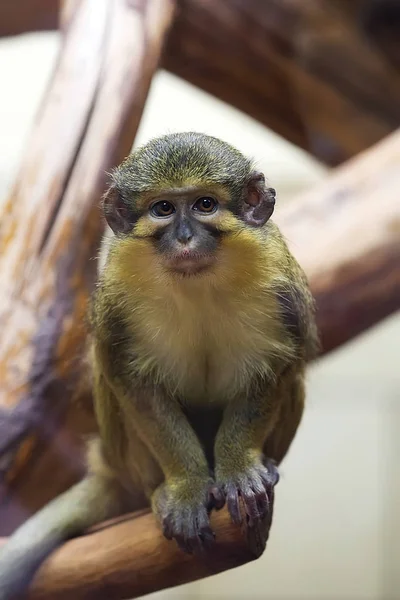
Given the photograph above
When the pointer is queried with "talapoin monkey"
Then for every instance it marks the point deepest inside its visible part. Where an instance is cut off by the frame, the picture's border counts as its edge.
(201, 326)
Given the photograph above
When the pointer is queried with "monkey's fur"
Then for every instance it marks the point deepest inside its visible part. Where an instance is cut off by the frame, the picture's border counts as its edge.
(201, 326)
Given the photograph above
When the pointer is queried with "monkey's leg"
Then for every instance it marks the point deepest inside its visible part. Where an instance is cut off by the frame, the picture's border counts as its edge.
(276, 446)
(242, 469)
(94, 499)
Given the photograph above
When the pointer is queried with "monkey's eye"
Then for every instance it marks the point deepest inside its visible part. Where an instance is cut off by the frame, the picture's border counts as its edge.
(205, 205)
(162, 209)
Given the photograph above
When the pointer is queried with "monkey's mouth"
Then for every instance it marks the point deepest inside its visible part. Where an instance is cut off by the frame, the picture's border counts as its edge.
(189, 262)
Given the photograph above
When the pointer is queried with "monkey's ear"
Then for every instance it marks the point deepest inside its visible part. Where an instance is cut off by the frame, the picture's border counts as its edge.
(115, 211)
(259, 201)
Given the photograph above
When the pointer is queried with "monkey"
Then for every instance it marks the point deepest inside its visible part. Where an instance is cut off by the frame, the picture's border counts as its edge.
(200, 327)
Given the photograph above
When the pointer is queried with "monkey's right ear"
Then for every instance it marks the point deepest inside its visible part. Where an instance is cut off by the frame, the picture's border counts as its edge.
(116, 213)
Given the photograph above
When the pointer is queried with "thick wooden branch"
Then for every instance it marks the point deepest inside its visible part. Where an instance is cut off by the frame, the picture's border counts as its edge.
(50, 229)
(301, 68)
(380, 22)
(23, 16)
(131, 559)
(308, 70)
(346, 234)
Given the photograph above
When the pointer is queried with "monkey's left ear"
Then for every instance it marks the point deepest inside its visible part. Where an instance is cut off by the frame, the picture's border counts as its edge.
(258, 202)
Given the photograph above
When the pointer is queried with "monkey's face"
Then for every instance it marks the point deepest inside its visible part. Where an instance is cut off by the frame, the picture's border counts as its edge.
(185, 227)
(182, 196)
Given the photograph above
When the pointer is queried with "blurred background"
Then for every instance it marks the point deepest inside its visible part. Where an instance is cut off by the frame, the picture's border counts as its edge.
(336, 532)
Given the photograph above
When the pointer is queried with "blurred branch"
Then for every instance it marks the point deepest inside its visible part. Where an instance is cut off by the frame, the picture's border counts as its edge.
(346, 234)
(379, 20)
(23, 16)
(308, 70)
(301, 68)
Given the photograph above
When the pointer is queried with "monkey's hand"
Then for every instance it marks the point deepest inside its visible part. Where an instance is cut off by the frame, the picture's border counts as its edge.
(253, 486)
(183, 507)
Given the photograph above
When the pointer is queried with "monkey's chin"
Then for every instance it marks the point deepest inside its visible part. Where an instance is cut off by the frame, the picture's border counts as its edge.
(190, 266)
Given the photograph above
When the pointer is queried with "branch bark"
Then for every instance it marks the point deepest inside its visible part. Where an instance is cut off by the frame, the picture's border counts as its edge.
(301, 68)
(23, 16)
(50, 229)
(307, 69)
(131, 559)
(346, 234)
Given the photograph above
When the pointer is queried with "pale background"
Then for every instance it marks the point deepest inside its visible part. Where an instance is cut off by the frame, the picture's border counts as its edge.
(336, 532)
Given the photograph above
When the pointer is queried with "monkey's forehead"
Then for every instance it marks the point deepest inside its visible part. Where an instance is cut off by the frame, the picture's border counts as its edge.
(179, 161)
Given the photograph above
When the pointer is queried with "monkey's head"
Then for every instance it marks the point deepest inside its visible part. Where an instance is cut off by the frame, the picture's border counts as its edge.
(184, 195)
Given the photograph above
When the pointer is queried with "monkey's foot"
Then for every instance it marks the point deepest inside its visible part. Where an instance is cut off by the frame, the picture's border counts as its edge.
(254, 488)
(183, 511)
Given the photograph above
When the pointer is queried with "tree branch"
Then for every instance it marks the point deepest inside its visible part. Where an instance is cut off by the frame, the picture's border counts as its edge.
(346, 234)
(50, 224)
(308, 70)
(301, 68)
(131, 559)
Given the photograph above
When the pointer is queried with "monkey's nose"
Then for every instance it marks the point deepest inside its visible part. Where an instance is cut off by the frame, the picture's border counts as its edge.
(184, 233)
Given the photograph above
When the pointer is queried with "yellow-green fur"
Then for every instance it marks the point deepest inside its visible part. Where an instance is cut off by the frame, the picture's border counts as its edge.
(183, 364)
(203, 336)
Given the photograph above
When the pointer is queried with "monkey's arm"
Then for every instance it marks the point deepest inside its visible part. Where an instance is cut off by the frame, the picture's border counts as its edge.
(182, 502)
(268, 416)
(243, 471)
(87, 503)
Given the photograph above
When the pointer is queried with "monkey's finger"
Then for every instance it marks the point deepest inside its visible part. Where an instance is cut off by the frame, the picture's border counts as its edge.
(232, 500)
(216, 498)
(269, 475)
(250, 505)
(192, 540)
(206, 534)
(257, 538)
(181, 541)
(262, 503)
(168, 527)
(181, 533)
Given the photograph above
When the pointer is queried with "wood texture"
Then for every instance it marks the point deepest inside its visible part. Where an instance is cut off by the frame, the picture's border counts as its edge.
(24, 16)
(131, 559)
(308, 70)
(346, 234)
(379, 20)
(301, 68)
(50, 230)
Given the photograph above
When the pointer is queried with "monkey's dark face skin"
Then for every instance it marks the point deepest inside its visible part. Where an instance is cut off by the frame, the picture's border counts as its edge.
(186, 235)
